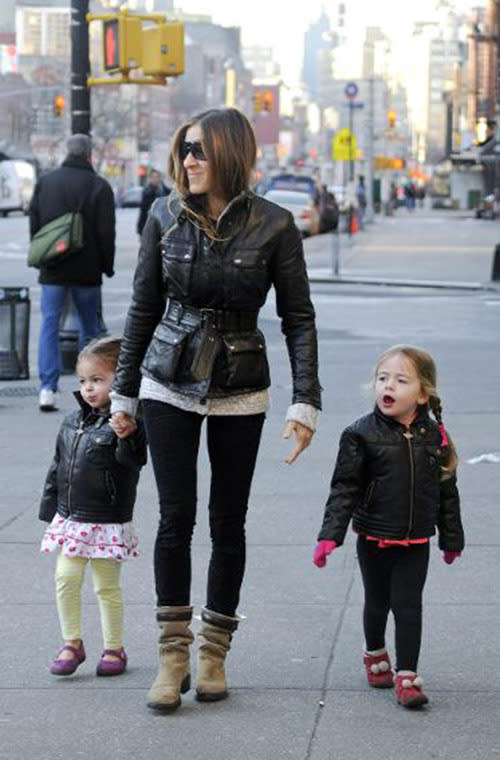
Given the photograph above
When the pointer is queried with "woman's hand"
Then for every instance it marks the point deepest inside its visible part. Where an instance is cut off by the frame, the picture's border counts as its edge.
(123, 424)
(303, 436)
(322, 551)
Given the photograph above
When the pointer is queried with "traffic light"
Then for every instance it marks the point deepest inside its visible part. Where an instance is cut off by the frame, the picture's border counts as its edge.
(58, 105)
(391, 118)
(163, 49)
(267, 101)
(257, 102)
(122, 43)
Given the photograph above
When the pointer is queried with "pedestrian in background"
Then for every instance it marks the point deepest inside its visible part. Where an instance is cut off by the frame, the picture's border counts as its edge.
(155, 188)
(361, 199)
(74, 186)
(209, 255)
(88, 499)
(395, 477)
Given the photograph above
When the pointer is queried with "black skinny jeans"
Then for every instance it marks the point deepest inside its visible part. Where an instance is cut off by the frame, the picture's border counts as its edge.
(233, 442)
(394, 579)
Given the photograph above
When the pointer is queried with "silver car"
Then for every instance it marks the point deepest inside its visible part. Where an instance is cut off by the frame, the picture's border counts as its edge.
(301, 205)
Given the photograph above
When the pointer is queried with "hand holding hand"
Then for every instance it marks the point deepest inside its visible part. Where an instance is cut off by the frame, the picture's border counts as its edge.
(450, 557)
(303, 437)
(322, 551)
(123, 424)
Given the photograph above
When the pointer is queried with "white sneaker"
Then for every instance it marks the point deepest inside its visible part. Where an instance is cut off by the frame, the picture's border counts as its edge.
(47, 400)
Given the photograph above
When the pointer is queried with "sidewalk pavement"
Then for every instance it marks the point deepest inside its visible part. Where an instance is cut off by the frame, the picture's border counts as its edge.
(298, 689)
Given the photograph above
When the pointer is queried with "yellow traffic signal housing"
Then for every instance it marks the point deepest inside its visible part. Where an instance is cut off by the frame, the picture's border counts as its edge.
(391, 117)
(163, 49)
(257, 102)
(58, 105)
(122, 43)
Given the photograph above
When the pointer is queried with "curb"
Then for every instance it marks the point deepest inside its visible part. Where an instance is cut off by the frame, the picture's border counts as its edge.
(393, 282)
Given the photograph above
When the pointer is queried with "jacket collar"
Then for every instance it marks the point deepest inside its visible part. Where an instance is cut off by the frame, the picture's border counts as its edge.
(89, 412)
(177, 204)
(421, 417)
(78, 162)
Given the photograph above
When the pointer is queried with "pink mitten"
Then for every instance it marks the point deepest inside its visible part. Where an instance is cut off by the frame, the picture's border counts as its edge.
(450, 557)
(323, 549)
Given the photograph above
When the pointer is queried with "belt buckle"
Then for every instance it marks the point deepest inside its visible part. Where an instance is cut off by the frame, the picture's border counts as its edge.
(208, 316)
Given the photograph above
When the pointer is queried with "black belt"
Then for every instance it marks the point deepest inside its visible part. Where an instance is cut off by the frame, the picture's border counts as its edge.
(222, 319)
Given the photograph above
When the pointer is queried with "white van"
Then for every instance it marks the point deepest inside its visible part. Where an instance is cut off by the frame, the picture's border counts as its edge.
(17, 182)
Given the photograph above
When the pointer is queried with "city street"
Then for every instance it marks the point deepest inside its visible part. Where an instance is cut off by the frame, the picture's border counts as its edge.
(298, 689)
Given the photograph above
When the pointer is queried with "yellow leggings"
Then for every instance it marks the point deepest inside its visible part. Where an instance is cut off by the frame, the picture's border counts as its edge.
(70, 572)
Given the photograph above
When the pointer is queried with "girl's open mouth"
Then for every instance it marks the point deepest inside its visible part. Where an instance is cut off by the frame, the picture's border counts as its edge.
(387, 400)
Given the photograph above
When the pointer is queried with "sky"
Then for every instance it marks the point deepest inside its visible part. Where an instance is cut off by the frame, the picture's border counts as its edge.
(281, 23)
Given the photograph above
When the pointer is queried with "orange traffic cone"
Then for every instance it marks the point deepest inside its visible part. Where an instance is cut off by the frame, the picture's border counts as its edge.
(354, 224)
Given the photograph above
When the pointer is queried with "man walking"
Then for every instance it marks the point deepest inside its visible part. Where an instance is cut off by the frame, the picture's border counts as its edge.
(74, 186)
(153, 190)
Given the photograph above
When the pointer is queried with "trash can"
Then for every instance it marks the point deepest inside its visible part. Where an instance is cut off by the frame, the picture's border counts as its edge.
(15, 308)
(69, 334)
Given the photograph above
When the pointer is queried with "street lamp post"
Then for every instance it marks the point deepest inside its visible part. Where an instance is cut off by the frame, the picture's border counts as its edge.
(80, 68)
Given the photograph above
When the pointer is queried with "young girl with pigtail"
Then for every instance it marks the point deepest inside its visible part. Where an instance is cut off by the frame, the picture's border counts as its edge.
(395, 477)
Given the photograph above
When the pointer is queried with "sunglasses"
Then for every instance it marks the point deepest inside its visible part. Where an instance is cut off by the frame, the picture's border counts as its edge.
(195, 148)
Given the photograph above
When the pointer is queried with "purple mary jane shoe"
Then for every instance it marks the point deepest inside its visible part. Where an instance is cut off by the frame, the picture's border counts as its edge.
(112, 667)
(67, 667)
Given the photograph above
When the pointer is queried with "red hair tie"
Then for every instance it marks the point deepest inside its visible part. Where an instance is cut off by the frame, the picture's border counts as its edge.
(444, 437)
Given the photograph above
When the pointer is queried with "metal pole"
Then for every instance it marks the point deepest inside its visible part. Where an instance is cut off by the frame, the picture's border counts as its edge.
(336, 251)
(369, 152)
(80, 68)
(351, 165)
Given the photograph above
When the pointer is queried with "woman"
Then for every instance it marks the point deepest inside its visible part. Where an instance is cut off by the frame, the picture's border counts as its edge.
(209, 254)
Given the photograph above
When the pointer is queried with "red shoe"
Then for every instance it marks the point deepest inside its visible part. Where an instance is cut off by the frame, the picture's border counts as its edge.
(378, 670)
(409, 690)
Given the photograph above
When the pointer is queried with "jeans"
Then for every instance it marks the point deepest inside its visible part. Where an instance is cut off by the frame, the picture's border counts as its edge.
(233, 441)
(394, 579)
(87, 303)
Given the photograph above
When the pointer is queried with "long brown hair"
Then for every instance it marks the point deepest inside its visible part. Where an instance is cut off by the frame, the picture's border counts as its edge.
(229, 144)
(425, 368)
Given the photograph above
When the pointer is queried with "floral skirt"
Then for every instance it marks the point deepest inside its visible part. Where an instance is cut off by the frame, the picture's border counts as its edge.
(90, 540)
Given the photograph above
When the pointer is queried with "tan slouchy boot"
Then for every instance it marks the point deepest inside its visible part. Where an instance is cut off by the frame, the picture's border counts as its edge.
(173, 677)
(214, 643)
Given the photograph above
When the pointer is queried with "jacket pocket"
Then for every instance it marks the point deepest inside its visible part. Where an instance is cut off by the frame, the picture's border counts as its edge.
(164, 352)
(110, 486)
(369, 494)
(250, 278)
(246, 360)
(178, 259)
(101, 448)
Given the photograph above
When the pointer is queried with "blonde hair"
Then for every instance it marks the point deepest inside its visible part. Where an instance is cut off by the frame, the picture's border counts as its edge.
(229, 144)
(103, 349)
(425, 367)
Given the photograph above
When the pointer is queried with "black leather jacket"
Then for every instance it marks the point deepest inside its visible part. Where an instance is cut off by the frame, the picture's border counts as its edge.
(390, 481)
(260, 247)
(93, 476)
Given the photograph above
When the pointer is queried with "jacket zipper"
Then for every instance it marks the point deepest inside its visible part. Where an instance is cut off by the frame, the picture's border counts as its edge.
(72, 458)
(408, 437)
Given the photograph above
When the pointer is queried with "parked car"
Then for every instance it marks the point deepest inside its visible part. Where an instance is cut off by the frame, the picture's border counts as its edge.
(297, 182)
(132, 197)
(17, 182)
(301, 205)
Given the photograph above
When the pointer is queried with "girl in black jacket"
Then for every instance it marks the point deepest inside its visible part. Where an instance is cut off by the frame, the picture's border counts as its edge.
(89, 498)
(395, 477)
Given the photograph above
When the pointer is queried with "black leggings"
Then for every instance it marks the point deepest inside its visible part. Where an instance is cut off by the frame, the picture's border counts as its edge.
(233, 441)
(394, 579)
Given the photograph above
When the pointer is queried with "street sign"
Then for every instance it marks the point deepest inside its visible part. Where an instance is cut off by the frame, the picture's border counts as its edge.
(344, 146)
(351, 90)
(352, 104)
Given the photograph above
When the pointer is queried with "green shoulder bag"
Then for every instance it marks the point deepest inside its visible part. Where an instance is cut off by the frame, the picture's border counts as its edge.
(56, 240)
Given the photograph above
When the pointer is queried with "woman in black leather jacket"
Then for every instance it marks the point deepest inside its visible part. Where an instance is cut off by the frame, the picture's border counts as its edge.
(192, 349)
